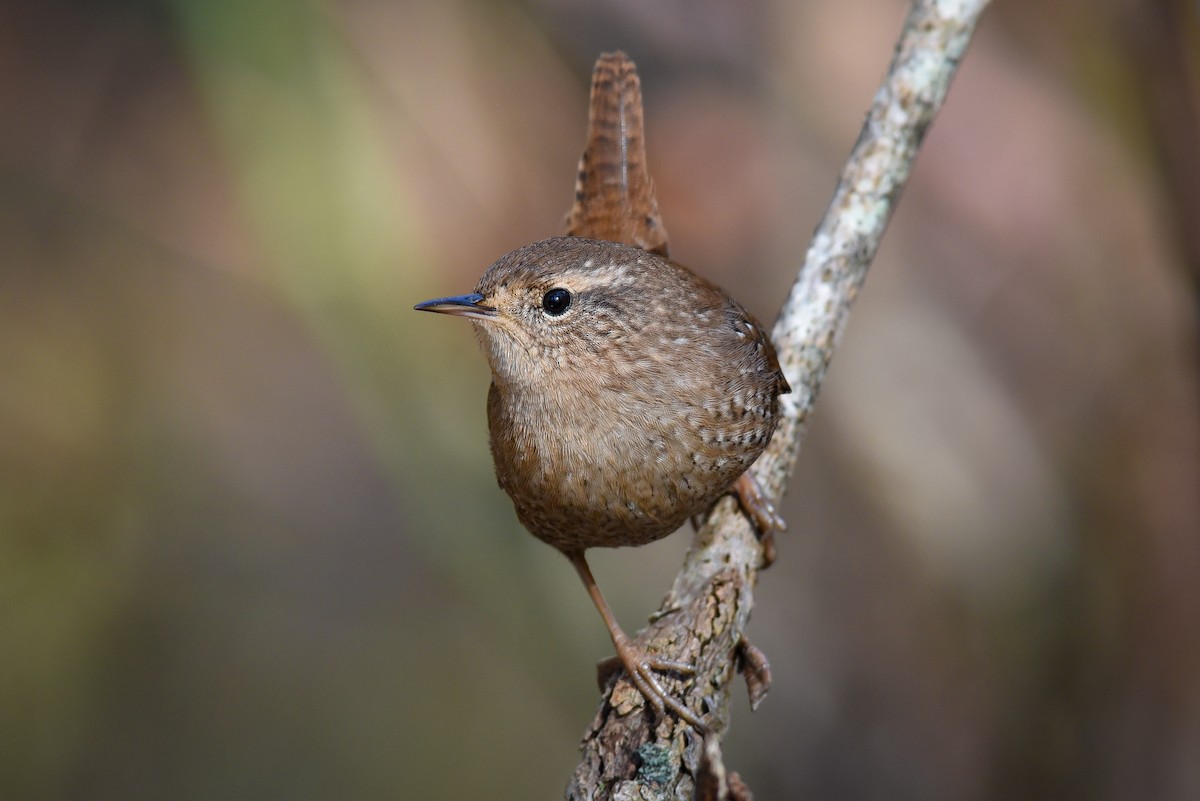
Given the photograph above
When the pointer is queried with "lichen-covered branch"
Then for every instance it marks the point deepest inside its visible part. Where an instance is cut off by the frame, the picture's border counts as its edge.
(627, 754)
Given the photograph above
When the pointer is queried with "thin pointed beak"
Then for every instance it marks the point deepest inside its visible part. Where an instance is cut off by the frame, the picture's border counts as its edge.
(459, 306)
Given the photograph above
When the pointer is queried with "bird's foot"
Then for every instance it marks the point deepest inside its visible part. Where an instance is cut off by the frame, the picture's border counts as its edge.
(762, 513)
(641, 667)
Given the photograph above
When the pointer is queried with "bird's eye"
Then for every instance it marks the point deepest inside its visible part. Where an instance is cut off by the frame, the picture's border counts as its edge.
(556, 302)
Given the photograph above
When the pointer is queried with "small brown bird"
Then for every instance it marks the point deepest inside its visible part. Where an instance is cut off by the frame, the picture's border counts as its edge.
(628, 394)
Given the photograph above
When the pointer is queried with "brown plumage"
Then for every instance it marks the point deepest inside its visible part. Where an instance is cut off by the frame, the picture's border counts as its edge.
(628, 394)
(615, 421)
(614, 194)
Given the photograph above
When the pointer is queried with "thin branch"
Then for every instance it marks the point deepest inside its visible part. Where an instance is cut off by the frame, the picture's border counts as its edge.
(628, 754)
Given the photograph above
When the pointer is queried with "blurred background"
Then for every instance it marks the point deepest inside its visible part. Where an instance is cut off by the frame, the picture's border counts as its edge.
(251, 545)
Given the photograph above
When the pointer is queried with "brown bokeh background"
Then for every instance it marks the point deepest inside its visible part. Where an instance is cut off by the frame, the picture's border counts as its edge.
(250, 542)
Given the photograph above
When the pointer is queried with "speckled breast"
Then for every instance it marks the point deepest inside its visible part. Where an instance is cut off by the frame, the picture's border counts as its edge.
(617, 469)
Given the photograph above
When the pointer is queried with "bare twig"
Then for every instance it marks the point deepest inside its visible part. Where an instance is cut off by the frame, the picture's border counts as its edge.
(628, 754)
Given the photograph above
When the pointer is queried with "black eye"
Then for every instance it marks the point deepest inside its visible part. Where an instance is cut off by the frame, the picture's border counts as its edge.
(556, 301)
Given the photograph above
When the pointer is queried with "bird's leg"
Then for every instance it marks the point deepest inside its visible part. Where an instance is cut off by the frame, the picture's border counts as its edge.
(762, 513)
(638, 664)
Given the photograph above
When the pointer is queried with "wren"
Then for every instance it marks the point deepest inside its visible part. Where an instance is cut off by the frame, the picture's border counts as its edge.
(628, 394)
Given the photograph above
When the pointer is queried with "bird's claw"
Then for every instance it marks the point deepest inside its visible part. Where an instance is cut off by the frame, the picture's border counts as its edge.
(762, 513)
(641, 667)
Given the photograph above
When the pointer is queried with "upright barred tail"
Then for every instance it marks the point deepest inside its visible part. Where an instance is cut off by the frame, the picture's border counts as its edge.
(614, 195)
